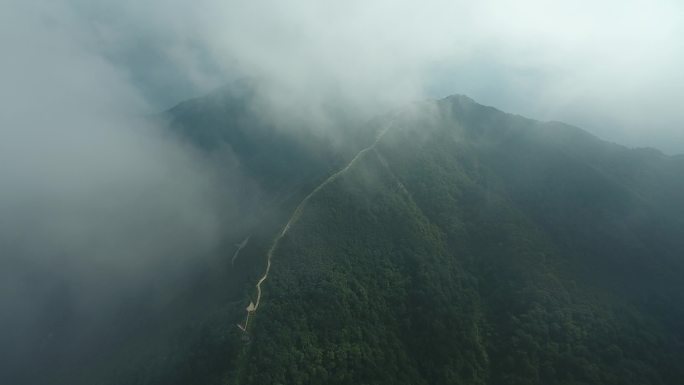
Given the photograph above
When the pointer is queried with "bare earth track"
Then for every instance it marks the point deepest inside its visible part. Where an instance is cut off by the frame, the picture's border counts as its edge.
(254, 306)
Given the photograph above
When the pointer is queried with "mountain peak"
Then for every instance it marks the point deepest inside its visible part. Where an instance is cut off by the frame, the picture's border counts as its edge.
(460, 98)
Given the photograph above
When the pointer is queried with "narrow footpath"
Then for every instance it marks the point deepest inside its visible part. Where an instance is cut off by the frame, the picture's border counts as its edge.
(254, 306)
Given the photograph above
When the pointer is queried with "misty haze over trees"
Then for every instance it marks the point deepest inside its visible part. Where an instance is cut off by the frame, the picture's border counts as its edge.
(291, 192)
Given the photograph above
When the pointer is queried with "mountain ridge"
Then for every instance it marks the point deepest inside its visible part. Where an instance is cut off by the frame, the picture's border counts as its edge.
(481, 370)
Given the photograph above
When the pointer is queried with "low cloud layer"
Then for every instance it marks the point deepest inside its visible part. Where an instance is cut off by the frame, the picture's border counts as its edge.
(82, 165)
(610, 66)
(96, 200)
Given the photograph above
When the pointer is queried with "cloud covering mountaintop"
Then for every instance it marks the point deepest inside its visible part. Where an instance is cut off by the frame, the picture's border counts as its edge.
(609, 66)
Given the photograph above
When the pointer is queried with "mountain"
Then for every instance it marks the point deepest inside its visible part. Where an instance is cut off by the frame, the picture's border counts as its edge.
(477, 247)
(445, 242)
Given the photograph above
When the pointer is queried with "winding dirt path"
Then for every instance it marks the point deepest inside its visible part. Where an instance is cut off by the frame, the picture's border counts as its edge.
(254, 306)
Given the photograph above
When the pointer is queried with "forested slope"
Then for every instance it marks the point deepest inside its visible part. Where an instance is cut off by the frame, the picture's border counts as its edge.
(468, 246)
(478, 247)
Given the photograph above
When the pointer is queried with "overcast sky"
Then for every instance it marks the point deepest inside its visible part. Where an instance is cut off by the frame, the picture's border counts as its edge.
(612, 67)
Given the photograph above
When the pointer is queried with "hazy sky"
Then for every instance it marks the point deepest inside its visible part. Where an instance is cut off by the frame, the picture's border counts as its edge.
(612, 67)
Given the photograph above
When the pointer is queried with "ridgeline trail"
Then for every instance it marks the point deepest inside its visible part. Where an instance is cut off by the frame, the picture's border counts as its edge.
(254, 306)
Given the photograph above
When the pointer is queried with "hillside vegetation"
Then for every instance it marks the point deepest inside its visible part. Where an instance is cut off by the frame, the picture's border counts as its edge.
(477, 247)
(469, 246)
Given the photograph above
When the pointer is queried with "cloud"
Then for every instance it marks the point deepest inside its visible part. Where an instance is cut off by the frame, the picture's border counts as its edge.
(97, 200)
(77, 147)
(610, 66)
